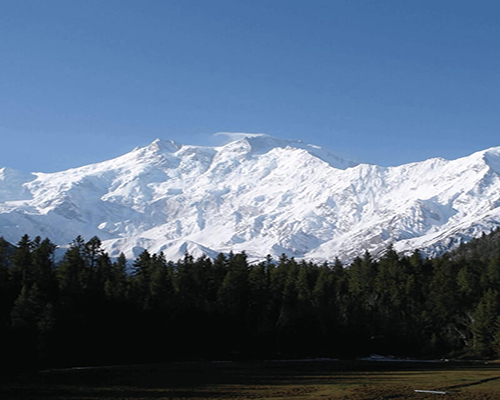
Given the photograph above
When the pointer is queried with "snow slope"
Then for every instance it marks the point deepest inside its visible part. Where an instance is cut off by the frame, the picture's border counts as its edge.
(259, 194)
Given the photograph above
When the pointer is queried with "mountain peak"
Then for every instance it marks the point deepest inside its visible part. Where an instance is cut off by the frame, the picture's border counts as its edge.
(261, 143)
(492, 158)
(163, 145)
(11, 184)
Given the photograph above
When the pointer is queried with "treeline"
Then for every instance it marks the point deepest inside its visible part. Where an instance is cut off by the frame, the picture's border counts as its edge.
(88, 309)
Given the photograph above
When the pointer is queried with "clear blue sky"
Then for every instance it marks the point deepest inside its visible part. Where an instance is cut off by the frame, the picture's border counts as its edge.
(388, 82)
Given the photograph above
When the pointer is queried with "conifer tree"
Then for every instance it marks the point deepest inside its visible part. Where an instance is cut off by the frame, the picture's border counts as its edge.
(7, 291)
(217, 272)
(234, 290)
(485, 319)
(141, 279)
(25, 316)
(46, 325)
(71, 271)
(325, 300)
(258, 298)
(161, 287)
(115, 284)
(22, 273)
(492, 275)
(190, 284)
(277, 277)
(42, 258)
(4, 263)
(27, 307)
(288, 312)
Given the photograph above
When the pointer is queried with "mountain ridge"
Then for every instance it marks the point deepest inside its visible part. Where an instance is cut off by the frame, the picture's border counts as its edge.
(257, 193)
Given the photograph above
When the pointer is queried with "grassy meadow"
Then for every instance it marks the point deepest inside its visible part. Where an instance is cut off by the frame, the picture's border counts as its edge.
(358, 380)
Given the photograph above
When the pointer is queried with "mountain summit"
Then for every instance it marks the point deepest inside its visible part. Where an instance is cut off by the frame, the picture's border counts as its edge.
(257, 193)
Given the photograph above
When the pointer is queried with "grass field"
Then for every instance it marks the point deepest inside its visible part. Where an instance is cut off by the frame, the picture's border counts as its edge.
(358, 380)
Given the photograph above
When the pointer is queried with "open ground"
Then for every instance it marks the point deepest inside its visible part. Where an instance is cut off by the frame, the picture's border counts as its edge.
(358, 380)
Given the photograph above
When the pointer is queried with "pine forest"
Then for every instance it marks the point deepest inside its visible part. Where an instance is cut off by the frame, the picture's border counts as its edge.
(87, 309)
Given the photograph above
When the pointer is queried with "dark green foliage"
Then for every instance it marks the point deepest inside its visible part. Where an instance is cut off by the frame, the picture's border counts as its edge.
(21, 263)
(234, 287)
(71, 273)
(88, 309)
(484, 325)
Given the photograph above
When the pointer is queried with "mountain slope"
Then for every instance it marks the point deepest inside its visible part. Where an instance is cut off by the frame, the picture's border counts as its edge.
(259, 194)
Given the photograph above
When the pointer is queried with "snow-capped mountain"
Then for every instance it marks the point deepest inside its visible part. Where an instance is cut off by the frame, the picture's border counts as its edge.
(259, 194)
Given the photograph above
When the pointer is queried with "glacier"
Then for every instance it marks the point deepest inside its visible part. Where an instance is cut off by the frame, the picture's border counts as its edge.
(258, 194)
